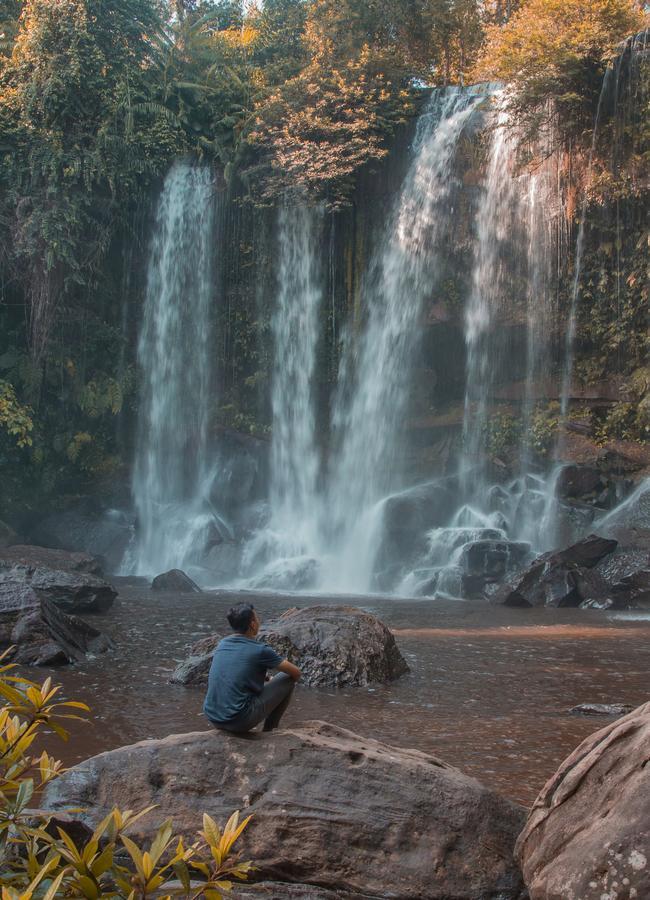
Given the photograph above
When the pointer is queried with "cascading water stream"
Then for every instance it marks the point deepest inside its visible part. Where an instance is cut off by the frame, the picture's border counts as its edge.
(369, 418)
(171, 472)
(292, 531)
(333, 529)
(497, 213)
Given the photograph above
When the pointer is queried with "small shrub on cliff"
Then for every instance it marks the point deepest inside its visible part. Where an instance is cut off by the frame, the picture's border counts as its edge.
(39, 859)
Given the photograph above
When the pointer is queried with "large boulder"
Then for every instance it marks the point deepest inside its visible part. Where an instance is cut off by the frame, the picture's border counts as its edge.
(329, 808)
(29, 555)
(73, 592)
(175, 580)
(336, 645)
(588, 834)
(40, 632)
(563, 578)
(332, 645)
(488, 562)
(407, 517)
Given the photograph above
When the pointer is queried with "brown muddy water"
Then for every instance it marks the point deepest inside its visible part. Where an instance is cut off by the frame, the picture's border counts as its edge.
(489, 688)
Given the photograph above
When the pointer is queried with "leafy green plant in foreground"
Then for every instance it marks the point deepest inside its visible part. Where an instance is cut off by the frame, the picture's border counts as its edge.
(39, 859)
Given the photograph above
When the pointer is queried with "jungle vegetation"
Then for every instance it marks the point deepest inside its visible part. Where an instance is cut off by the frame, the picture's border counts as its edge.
(97, 97)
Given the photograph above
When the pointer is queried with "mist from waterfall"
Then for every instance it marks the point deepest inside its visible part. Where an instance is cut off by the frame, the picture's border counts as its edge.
(175, 357)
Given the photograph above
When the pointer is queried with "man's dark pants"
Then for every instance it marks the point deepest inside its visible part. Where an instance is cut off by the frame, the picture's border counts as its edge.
(267, 707)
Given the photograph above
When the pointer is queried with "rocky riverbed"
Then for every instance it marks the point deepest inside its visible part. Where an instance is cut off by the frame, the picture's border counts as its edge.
(489, 689)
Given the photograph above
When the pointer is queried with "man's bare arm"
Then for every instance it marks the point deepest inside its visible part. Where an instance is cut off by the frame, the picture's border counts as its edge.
(290, 669)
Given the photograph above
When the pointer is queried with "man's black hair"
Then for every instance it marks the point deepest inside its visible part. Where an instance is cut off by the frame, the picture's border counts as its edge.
(240, 617)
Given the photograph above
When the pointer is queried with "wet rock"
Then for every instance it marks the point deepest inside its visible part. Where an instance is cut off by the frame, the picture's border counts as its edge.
(336, 645)
(562, 578)
(175, 580)
(194, 670)
(73, 592)
(48, 558)
(332, 645)
(488, 562)
(587, 552)
(409, 515)
(601, 709)
(40, 631)
(588, 834)
(105, 534)
(637, 585)
(577, 480)
(328, 807)
(624, 562)
(573, 519)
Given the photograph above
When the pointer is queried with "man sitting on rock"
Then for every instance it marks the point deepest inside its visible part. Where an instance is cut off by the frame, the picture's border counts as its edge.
(238, 698)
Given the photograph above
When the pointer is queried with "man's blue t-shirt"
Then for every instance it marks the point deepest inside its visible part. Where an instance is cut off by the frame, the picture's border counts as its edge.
(236, 676)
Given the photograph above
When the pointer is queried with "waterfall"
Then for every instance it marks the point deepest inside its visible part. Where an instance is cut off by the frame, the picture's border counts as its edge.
(491, 279)
(175, 357)
(369, 415)
(292, 531)
(324, 526)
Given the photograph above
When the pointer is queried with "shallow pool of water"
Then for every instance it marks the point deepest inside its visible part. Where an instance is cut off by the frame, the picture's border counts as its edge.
(489, 689)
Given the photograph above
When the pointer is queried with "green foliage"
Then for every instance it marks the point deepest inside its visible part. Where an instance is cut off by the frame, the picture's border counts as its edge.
(39, 862)
(80, 141)
(630, 419)
(502, 434)
(557, 51)
(613, 331)
(545, 424)
(15, 419)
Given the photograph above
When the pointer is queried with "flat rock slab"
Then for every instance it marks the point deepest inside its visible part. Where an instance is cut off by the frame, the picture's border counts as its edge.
(601, 709)
(588, 834)
(334, 646)
(330, 809)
